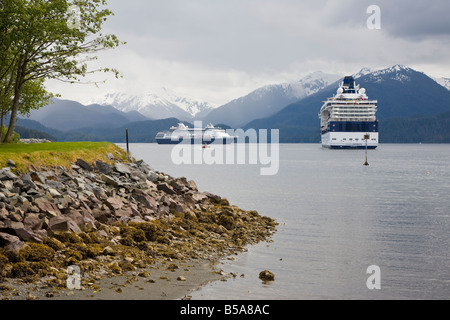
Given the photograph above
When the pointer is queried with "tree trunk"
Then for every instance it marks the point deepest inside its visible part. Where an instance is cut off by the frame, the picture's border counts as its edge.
(1, 126)
(21, 70)
(12, 121)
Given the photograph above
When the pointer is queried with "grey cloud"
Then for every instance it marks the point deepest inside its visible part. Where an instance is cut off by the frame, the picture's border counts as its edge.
(239, 43)
(418, 19)
(414, 20)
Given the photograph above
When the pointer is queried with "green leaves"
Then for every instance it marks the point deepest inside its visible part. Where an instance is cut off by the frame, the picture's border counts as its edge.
(42, 40)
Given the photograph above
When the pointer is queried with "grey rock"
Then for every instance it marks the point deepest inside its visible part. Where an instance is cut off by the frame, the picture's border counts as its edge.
(33, 192)
(199, 197)
(28, 235)
(29, 141)
(32, 221)
(266, 275)
(153, 176)
(6, 239)
(102, 215)
(98, 192)
(15, 246)
(55, 184)
(63, 202)
(83, 164)
(3, 213)
(122, 168)
(54, 193)
(124, 212)
(13, 224)
(166, 188)
(38, 177)
(109, 180)
(192, 185)
(15, 190)
(8, 184)
(28, 183)
(145, 200)
(11, 163)
(16, 216)
(108, 251)
(62, 223)
(6, 174)
(103, 167)
(45, 205)
(114, 203)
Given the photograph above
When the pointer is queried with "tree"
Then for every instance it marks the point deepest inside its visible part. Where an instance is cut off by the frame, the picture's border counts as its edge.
(5, 65)
(48, 39)
(34, 96)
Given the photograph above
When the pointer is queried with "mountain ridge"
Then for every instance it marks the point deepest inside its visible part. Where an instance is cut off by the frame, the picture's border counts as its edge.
(268, 100)
(157, 103)
(400, 91)
(67, 115)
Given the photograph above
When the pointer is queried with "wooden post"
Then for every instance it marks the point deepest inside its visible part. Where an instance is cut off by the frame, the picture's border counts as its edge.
(128, 148)
(366, 137)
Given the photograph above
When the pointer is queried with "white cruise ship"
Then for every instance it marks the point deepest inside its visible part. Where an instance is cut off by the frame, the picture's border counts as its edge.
(185, 134)
(348, 120)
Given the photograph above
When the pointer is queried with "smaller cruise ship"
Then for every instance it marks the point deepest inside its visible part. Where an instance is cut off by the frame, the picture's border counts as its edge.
(348, 119)
(185, 134)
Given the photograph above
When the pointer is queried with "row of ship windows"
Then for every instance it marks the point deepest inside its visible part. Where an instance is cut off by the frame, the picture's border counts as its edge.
(353, 108)
(352, 112)
(351, 118)
(357, 139)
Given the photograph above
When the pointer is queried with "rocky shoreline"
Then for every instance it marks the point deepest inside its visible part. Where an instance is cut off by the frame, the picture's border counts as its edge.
(34, 140)
(108, 218)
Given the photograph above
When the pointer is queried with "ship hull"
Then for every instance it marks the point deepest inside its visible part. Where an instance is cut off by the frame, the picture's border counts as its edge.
(349, 140)
(196, 141)
(349, 147)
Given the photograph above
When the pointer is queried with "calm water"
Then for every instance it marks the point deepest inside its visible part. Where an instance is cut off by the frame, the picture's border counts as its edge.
(337, 217)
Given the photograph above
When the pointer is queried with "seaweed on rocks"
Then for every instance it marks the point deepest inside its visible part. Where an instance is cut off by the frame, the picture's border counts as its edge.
(108, 219)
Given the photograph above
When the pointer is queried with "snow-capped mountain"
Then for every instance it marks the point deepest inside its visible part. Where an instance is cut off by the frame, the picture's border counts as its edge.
(312, 83)
(398, 72)
(263, 102)
(445, 82)
(268, 100)
(160, 103)
(411, 108)
(362, 73)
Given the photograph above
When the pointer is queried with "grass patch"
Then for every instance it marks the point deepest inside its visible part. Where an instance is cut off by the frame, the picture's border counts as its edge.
(57, 154)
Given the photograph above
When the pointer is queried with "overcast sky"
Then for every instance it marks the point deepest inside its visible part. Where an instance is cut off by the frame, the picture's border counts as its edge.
(219, 50)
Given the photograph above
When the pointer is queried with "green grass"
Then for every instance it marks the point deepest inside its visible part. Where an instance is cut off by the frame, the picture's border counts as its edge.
(56, 146)
(27, 156)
